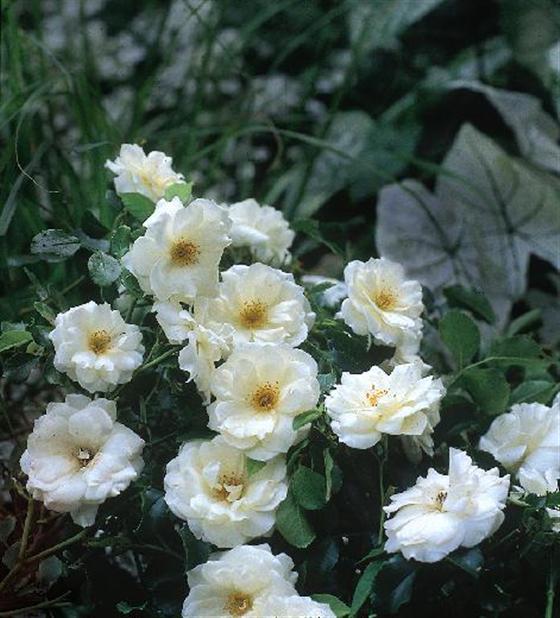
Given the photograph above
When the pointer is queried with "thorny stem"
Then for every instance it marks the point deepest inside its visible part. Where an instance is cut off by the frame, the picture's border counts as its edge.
(26, 528)
(381, 465)
(552, 581)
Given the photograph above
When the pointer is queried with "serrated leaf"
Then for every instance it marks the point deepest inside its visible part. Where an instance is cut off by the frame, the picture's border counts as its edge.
(54, 245)
(305, 418)
(540, 391)
(45, 312)
(138, 205)
(473, 300)
(461, 336)
(120, 240)
(340, 609)
(292, 523)
(365, 585)
(182, 190)
(488, 388)
(14, 339)
(103, 268)
(309, 488)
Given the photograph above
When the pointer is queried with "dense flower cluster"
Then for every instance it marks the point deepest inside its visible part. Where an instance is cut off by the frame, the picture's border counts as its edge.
(239, 334)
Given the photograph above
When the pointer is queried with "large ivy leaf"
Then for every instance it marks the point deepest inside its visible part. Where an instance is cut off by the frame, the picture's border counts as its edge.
(489, 213)
(514, 208)
(432, 240)
(536, 132)
(378, 24)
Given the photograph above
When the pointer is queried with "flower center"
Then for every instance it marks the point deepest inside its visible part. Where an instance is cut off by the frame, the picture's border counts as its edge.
(184, 253)
(99, 341)
(83, 455)
(375, 394)
(440, 499)
(253, 314)
(385, 299)
(266, 397)
(153, 181)
(229, 488)
(238, 604)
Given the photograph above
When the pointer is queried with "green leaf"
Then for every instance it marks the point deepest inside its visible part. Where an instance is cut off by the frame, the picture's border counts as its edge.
(14, 339)
(45, 312)
(365, 585)
(138, 205)
(292, 523)
(120, 240)
(54, 245)
(306, 417)
(518, 351)
(309, 488)
(461, 336)
(103, 268)
(540, 391)
(49, 571)
(182, 190)
(253, 465)
(469, 560)
(473, 300)
(123, 607)
(488, 388)
(313, 229)
(524, 321)
(340, 609)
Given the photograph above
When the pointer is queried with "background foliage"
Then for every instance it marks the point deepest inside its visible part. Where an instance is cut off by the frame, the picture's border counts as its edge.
(318, 108)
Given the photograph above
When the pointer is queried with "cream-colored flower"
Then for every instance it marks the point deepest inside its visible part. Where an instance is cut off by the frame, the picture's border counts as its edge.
(443, 512)
(526, 441)
(77, 456)
(294, 606)
(95, 346)
(204, 347)
(209, 485)
(137, 172)
(178, 256)
(554, 515)
(259, 391)
(261, 303)
(381, 302)
(365, 406)
(261, 228)
(239, 582)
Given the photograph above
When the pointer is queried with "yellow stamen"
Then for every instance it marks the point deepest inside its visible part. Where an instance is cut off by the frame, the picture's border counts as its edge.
(99, 341)
(385, 300)
(238, 604)
(375, 394)
(183, 253)
(266, 397)
(253, 314)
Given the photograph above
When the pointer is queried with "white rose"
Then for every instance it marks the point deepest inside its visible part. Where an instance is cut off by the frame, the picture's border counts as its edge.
(137, 173)
(238, 582)
(261, 228)
(208, 485)
(554, 515)
(365, 406)
(204, 347)
(96, 347)
(179, 254)
(259, 391)
(526, 441)
(261, 303)
(444, 512)
(77, 456)
(295, 606)
(381, 301)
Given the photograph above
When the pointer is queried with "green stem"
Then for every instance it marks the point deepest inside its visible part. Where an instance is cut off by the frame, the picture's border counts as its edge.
(381, 465)
(26, 528)
(49, 603)
(55, 548)
(552, 581)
